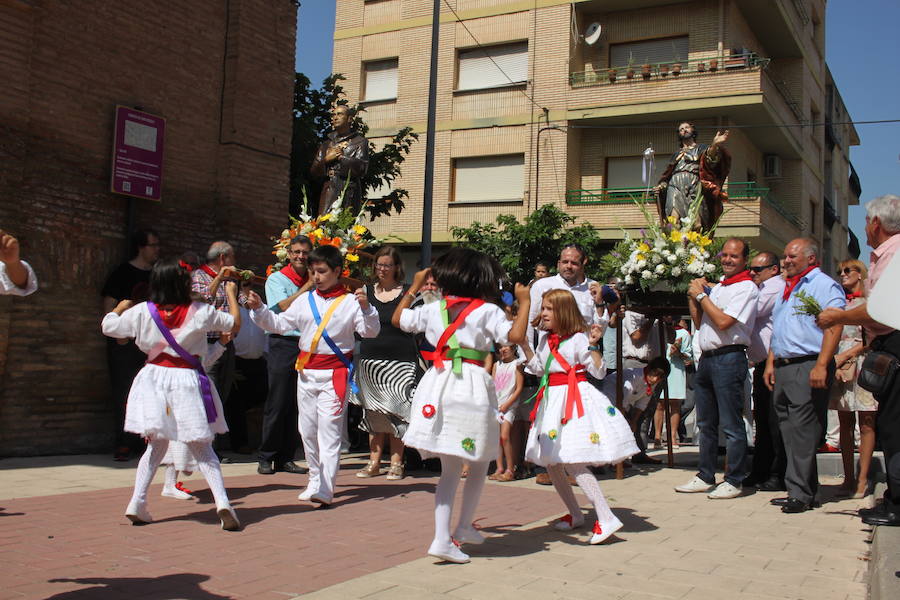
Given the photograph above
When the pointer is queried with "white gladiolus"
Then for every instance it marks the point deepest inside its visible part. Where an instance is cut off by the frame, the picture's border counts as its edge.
(660, 269)
(709, 268)
(646, 275)
(676, 271)
(641, 264)
(672, 259)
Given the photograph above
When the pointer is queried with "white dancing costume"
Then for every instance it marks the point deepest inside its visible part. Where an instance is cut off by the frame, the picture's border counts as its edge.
(7, 287)
(456, 414)
(601, 436)
(321, 410)
(166, 402)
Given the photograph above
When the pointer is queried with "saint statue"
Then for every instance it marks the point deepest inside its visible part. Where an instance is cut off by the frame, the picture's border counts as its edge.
(694, 168)
(343, 159)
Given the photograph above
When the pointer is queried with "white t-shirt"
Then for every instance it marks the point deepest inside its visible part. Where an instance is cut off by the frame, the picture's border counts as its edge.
(482, 328)
(634, 389)
(631, 322)
(737, 300)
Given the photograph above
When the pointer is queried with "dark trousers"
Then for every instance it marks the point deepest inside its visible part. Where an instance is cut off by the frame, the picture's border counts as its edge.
(719, 399)
(887, 421)
(769, 460)
(250, 387)
(280, 437)
(801, 412)
(221, 373)
(124, 361)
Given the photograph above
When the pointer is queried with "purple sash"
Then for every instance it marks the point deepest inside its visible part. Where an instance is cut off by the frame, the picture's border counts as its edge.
(205, 389)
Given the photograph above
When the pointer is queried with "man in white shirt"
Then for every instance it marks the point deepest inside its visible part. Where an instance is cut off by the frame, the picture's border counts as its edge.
(17, 278)
(767, 472)
(725, 316)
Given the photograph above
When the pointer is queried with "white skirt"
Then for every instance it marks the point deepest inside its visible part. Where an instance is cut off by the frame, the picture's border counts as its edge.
(455, 415)
(600, 437)
(165, 402)
(181, 457)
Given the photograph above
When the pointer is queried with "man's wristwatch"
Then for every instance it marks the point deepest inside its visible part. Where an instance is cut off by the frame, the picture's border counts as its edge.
(699, 297)
(595, 348)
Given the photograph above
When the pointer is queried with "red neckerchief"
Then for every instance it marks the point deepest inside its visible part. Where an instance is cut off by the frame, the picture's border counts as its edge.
(793, 281)
(296, 278)
(852, 295)
(208, 270)
(338, 290)
(677, 327)
(649, 389)
(738, 277)
(454, 300)
(174, 317)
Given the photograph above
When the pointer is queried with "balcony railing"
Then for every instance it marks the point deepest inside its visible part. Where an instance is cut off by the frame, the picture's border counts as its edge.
(668, 70)
(737, 190)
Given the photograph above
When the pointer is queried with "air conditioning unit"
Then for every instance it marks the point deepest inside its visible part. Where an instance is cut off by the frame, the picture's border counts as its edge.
(771, 166)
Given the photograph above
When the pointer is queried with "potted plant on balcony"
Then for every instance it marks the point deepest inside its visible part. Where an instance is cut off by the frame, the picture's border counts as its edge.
(676, 68)
(664, 70)
(612, 75)
(629, 74)
(645, 71)
(714, 64)
(701, 67)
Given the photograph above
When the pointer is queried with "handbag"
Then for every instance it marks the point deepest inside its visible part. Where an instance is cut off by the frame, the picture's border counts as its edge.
(878, 372)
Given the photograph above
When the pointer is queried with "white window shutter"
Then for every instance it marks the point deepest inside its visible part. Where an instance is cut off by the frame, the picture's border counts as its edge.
(489, 178)
(493, 66)
(381, 80)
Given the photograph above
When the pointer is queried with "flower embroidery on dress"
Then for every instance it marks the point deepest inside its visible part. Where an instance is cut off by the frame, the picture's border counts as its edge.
(611, 411)
(468, 445)
(428, 411)
(551, 434)
(595, 438)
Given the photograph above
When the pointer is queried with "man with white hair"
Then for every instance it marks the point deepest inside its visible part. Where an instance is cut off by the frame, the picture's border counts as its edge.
(207, 282)
(883, 236)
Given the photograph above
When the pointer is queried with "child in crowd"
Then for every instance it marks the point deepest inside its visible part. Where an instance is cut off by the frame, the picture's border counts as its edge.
(327, 318)
(508, 381)
(574, 425)
(453, 414)
(639, 385)
(171, 397)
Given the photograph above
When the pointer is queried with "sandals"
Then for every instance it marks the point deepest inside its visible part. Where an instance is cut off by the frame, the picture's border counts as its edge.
(395, 472)
(372, 469)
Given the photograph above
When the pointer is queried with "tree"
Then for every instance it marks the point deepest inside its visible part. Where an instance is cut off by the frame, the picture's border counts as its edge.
(312, 120)
(518, 246)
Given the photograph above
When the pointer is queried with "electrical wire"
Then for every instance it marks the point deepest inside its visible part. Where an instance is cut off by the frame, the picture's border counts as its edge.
(750, 126)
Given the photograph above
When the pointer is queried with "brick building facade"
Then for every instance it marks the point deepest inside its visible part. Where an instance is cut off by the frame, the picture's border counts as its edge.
(221, 74)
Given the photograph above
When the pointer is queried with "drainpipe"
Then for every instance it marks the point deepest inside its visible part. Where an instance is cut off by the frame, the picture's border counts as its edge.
(721, 45)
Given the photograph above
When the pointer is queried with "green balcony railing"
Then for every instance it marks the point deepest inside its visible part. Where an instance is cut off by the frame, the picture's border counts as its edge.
(668, 70)
(737, 190)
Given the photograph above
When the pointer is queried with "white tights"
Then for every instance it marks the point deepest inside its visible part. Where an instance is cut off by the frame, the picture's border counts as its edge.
(588, 484)
(206, 459)
(451, 468)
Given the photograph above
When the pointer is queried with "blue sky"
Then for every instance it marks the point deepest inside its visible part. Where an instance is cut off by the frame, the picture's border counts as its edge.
(862, 47)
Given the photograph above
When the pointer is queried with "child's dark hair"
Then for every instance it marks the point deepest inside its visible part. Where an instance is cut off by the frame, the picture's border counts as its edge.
(329, 255)
(468, 273)
(170, 283)
(659, 364)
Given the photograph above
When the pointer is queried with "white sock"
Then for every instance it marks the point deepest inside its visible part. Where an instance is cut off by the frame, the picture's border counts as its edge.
(589, 485)
(208, 463)
(146, 468)
(444, 494)
(171, 478)
(472, 493)
(561, 483)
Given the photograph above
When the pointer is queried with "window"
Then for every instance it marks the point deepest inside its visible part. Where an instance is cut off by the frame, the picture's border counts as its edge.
(494, 66)
(625, 172)
(649, 52)
(380, 80)
(489, 178)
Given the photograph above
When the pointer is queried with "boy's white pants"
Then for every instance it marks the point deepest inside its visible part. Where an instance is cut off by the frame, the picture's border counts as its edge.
(320, 428)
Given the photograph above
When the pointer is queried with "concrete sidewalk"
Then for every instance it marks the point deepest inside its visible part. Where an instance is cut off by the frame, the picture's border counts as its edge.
(63, 536)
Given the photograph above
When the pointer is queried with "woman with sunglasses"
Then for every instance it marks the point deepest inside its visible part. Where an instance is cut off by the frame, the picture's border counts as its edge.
(848, 398)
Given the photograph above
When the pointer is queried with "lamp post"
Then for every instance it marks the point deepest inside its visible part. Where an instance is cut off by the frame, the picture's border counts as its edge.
(537, 161)
(429, 141)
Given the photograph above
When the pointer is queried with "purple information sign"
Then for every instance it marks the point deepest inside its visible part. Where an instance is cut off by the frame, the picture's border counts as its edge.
(138, 154)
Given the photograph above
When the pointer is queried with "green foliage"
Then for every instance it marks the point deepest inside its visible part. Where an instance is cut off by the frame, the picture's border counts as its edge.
(312, 121)
(518, 246)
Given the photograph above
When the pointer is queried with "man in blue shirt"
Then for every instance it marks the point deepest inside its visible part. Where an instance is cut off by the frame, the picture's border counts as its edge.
(800, 367)
(280, 438)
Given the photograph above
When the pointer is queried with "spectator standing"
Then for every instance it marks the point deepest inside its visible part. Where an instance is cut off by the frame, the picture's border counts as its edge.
(847, 398)
(799, 369)
(17, 278)
(280, 438)
(251, 386)
(724, 316)
(769, 462)
(679, 359)
(128, 281)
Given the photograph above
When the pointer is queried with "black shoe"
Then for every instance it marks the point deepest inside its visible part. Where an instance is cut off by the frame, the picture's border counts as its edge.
(292, 467)
(877, 511)
(265, 468)
(780, 501)
(796, 506)
(890, 518)
(771, 485)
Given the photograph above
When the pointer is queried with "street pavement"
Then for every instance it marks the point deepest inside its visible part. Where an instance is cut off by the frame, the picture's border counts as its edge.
(63, 536)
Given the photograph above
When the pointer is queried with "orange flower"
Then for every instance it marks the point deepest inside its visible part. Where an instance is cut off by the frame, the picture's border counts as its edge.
(336, 242)
(346, 273)
(269, 270)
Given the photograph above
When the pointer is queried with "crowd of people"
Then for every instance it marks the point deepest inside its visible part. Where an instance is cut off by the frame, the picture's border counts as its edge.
(452, 367)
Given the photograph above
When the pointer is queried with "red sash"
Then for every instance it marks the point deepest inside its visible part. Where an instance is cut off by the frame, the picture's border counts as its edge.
(440, 352)
(571, 377)
(167, 360)
(338, 369)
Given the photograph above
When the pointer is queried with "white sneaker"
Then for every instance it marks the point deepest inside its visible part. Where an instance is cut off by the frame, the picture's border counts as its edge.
(568, 523)
(229, 518)
(174, 492)
(724, 491)
(450, 554)
(320, 499)
(603, 531)
(138, 514)
(694, 486)
(468, 535)
(306, 494)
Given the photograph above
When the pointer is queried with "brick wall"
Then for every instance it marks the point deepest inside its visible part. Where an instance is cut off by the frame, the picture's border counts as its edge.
(64, 69)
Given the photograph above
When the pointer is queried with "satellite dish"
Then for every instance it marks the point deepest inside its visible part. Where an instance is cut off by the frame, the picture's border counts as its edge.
(592, 33)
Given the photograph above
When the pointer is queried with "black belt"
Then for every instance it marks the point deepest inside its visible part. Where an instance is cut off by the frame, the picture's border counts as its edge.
(783, 362)
(290, 338)
(643, 361)
(723, 350)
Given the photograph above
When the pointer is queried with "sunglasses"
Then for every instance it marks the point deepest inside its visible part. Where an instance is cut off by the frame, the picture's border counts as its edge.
(760, 268)
(848, 270)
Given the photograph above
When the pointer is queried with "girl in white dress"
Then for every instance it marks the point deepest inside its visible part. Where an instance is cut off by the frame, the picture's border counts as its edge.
(169, 399)
(508, 381)
(453, 413)
(573, 424)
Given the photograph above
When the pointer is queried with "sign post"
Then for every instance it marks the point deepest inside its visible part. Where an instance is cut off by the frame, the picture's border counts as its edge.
(137, 157)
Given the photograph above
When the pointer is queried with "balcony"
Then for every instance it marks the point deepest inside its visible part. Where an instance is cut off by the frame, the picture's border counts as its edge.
(682, 69)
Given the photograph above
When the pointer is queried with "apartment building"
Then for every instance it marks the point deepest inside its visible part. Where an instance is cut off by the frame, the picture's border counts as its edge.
(552, 101)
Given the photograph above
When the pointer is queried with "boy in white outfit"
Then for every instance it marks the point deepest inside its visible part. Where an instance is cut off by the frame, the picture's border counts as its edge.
(327, 318)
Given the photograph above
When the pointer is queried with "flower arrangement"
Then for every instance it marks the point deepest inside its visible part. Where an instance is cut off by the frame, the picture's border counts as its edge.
(339, 227)
(667, 255)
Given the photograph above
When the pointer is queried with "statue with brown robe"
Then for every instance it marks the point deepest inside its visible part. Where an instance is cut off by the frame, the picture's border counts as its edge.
(343, 159)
